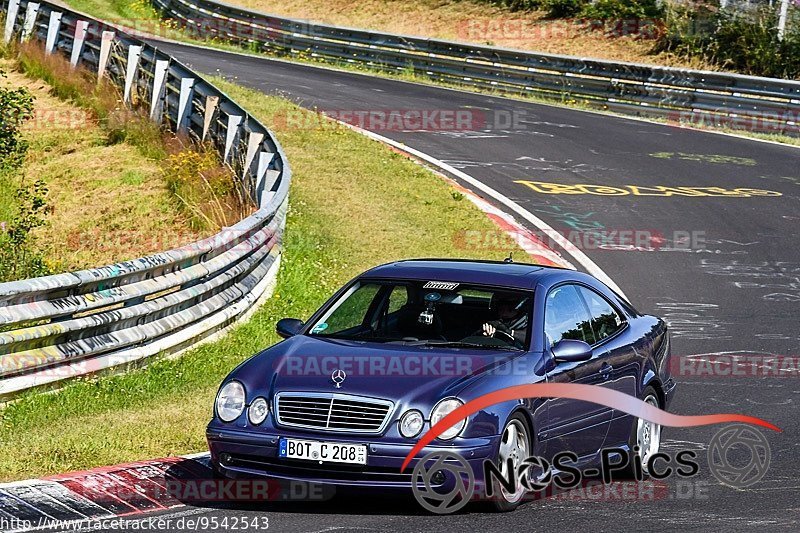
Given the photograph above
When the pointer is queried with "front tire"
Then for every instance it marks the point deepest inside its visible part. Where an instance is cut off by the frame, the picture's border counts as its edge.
(515, 444)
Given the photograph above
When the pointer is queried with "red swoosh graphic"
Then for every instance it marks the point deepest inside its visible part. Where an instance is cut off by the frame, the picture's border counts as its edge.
(589, 393)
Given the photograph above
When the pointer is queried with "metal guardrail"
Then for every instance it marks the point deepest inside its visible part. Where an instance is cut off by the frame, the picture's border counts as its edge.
(679, 95)
(59, 326)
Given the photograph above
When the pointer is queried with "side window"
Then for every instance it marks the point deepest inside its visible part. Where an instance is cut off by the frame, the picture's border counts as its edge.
(398, 298)
(565, 316)
(352, 312)
(605, 320)
(476, 297)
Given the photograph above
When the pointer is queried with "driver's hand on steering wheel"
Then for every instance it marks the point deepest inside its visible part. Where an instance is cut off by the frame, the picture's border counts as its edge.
(498, 330)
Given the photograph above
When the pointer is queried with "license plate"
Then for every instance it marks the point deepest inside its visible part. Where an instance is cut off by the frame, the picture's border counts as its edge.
(327, 452)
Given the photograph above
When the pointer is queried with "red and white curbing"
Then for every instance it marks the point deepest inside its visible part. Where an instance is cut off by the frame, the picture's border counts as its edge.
(79, 498)
(519, 234)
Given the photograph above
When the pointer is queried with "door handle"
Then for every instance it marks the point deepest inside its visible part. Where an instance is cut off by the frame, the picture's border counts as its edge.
(605, 370)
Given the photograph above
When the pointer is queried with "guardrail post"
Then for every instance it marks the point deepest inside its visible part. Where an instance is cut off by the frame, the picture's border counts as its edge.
(81, 27)
(234, 121)
(31, 11)
(253, 142)
(185, 103)
(211, 106)
(52, 32)
(134, 53)
(264, 159)
(159, 77)
(105, 51)
(269, 181)
(11, 19)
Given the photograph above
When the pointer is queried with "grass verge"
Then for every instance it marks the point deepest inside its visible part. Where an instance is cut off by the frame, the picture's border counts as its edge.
(203, 189)
(383, 207)
(119, 187)
(98, 192)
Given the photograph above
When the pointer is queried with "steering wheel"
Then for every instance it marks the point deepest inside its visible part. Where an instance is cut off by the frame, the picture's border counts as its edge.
(506, 334)
(501, 336)
(482, 339)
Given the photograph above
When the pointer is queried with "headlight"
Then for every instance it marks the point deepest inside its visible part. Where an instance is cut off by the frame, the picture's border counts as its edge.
(258, 411)
(230, 401)
(444, 408)
(411, 423)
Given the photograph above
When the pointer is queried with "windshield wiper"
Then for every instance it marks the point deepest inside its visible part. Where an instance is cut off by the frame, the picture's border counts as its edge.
(460, 344)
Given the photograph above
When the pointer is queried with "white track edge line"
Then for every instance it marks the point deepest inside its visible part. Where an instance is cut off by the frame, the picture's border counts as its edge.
(590, 266)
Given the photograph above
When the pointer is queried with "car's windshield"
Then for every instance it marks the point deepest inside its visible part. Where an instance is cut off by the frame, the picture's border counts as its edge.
(419, 312)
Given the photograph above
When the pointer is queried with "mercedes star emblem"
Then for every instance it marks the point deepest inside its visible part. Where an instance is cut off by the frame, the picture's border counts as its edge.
(338, 377)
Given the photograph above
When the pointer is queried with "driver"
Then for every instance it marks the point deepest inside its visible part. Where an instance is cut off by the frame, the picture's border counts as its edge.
(511, 324)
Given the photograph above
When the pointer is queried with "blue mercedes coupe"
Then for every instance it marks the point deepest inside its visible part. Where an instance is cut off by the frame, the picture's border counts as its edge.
(344, 398)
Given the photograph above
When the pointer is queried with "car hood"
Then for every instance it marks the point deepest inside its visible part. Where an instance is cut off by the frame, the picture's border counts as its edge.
(405, 374)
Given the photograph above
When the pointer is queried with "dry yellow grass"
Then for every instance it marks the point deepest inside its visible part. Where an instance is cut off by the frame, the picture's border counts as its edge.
(109, 201)
(468, 21)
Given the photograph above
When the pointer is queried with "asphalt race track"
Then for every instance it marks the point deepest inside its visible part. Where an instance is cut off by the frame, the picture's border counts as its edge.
(733, 287)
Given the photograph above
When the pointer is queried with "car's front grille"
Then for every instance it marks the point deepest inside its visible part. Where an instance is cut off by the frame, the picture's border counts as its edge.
(332, 412)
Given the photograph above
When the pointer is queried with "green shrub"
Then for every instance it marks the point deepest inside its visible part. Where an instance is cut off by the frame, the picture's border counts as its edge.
(563, 8)
(622, 9)
(751, 45)
(18, 257)
(518, 5)
(16, 106)
(688, 28)
(734, 40)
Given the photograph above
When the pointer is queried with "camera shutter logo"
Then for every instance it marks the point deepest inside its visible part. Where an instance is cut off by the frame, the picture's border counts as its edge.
(742, 440)
(338, 376)
(450, 474)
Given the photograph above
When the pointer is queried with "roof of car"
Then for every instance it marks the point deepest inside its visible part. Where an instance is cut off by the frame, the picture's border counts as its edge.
(519, 275)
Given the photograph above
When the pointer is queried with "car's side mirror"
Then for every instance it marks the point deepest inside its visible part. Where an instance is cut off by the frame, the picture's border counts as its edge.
(571, 351)
(288, 327)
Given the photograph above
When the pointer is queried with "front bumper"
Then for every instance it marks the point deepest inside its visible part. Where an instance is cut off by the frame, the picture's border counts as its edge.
(249, 454)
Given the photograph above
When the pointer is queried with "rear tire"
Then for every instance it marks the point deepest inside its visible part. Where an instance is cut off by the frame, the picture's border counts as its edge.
(646, 435)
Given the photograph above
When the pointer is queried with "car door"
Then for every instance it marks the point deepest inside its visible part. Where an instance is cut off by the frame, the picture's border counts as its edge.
(618, 354)
(572, 425)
